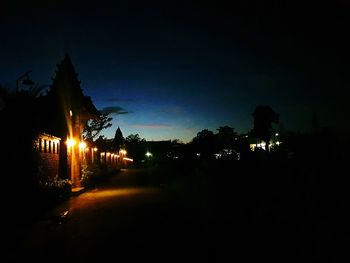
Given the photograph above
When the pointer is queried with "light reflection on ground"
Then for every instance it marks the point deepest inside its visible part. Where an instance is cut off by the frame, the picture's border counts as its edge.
(108, 196)
(110, 193)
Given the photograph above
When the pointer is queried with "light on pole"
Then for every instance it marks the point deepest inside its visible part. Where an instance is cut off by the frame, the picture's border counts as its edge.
(26, 81)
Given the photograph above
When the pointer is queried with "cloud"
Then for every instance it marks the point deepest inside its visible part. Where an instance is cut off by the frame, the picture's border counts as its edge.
(114, 110)
(119, 100)
(151, 126)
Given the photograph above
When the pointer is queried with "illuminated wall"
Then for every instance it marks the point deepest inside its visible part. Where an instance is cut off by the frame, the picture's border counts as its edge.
(48, 148)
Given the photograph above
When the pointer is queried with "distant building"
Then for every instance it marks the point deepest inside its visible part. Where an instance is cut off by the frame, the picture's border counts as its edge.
(160, 150)
(255, 143)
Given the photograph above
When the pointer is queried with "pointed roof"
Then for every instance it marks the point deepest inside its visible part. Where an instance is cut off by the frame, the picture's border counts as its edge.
(66, 87)
(65, 83)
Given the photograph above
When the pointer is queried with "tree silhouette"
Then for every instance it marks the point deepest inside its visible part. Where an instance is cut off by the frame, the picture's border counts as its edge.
(134, 139)
(264, 116)
(135, 146)
(118, 141)
(226, 137)
(101, 143)
(204, 143)
(93, 127)
(19, 117)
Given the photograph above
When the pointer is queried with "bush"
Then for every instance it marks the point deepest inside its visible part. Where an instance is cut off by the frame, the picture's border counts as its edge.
(95, 173)
(54, 189)
(89, 174)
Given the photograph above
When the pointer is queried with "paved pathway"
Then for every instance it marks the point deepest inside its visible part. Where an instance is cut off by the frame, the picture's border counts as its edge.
(131, 217)
(138, 216)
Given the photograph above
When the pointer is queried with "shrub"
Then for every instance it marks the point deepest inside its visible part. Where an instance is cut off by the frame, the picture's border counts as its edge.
(54, 189)
(95, 173)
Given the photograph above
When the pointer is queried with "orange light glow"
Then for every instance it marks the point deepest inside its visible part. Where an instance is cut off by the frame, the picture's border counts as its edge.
(105, 194)
(70, 142)
(82, 145)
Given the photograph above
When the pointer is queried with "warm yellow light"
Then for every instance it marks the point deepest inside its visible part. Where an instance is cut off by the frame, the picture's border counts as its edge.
(82, 145)
(70, 142)
(95, 149)
(70, 113)
(128, 159)
(122, 151)
(106, 194)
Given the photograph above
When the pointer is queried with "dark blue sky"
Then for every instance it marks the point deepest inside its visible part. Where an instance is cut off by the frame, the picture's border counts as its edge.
(176, 67)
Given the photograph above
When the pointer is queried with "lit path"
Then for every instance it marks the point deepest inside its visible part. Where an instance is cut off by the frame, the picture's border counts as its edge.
(134, 217)
(127, 218)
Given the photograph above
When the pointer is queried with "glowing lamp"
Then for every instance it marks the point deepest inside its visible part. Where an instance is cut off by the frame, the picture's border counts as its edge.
(70, 142)
(82, 145)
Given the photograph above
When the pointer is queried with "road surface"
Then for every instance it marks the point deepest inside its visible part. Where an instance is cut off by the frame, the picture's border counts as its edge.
(137, 215)
(131, 217)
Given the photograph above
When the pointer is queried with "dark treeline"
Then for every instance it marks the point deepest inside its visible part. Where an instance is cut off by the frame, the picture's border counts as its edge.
(291, 201)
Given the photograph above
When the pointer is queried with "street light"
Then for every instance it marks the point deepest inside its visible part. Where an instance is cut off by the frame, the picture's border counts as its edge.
(26, 81)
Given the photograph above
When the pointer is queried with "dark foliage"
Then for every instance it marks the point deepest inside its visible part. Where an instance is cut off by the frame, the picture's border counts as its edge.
(94, 126)
(264, 116)
(136, 147)
(118, 140)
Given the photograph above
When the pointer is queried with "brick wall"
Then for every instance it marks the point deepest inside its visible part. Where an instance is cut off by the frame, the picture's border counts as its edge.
(49, 164)
(48, 148)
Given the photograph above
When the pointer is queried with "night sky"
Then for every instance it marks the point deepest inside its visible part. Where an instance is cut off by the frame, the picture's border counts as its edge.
(172, 68)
